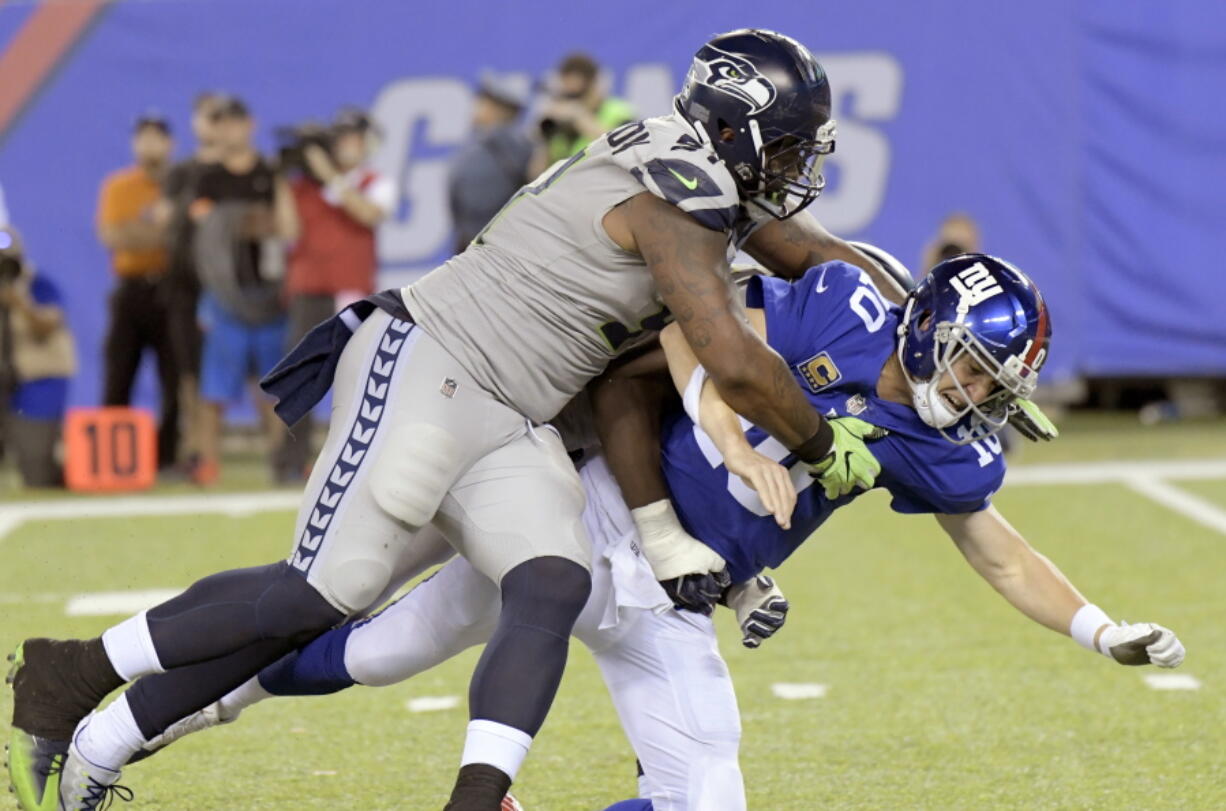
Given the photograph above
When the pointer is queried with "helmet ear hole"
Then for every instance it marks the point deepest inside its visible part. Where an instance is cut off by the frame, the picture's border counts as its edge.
(726, 133)
(925, 320)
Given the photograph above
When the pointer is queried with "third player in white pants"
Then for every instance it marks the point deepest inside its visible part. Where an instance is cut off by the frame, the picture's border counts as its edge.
(669, 684)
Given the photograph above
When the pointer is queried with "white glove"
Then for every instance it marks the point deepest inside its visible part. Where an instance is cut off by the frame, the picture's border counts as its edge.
(1141, 643)
(671, 551)
(761, 609)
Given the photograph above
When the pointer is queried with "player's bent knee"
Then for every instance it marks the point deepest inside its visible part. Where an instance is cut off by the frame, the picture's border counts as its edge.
(293, 609)
(547, 592)
(354, 585)
(413, 471)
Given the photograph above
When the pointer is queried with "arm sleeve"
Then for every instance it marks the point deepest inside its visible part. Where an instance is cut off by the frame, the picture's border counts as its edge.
(948, 487)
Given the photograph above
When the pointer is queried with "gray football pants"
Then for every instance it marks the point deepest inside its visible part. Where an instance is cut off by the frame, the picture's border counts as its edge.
(413, 440)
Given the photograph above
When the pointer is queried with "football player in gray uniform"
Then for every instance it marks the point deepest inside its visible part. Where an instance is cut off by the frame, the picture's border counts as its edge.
(440, 392)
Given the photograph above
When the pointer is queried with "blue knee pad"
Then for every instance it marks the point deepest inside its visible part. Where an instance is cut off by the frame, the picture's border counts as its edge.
(631, 805)
(316, 670)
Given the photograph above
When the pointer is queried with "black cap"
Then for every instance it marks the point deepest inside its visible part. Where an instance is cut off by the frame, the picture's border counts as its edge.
(504, 90)
(226, 106)
(154, 119)
(353, 119)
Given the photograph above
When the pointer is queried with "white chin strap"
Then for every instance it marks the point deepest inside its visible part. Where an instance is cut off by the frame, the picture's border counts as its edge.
(930, 406)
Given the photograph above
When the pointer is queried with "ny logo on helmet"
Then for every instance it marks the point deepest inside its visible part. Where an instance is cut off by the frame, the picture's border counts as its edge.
(975, 284)
(733, 75)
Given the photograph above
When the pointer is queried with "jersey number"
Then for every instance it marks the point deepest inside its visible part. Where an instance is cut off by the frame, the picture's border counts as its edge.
(769, 447)
(616, 334)
(988, 448)
(867, 303)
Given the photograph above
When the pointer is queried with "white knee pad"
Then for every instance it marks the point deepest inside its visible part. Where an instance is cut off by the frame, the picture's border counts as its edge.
(356, 584)
(413, 471)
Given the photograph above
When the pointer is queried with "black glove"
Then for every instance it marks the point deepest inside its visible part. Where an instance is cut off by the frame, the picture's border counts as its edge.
(697, 592)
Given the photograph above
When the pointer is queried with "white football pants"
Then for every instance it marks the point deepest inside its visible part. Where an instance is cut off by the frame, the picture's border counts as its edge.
(669, 684)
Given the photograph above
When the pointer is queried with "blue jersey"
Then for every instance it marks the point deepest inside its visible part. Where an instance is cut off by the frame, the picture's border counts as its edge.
(835, 332)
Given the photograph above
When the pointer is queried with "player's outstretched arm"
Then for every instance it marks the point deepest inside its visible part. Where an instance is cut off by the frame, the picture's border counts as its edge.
(1034, 586)
(790, 247)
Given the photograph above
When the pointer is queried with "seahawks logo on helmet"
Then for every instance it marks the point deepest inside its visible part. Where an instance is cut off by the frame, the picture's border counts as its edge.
(733, 75)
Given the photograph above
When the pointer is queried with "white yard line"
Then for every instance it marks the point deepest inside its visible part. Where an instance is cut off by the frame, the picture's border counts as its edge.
(117, 603)
(1172, 681)
(14, 514)
(798, 691)
(432, 703)
(1203, 512)
(1130, 473)
(1121, 471)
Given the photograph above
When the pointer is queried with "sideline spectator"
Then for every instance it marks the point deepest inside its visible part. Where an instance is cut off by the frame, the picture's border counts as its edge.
(578, 112)
(243, 213)
(37, 359)
(957, 234)
(339, 203)
(138, 314)
(182, 286)
(492, 166)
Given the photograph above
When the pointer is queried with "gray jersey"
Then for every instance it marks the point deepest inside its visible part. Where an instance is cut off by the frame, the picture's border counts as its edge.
(543, 299)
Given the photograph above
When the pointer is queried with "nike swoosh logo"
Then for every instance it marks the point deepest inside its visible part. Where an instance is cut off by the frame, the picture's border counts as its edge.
(822, 287)
(689, 183)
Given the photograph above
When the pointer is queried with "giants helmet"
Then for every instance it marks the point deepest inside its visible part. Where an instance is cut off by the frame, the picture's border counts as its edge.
(983, 306)
(770, 91)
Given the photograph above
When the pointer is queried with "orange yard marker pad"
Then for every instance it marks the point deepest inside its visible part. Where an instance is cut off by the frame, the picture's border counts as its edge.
(109, 449)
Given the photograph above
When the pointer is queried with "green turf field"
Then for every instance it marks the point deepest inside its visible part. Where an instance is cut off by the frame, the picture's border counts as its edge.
(939, 695)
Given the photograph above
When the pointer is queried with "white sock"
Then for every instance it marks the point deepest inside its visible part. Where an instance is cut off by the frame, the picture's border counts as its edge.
(130, 648)
(242, 697)
(111, 737)
(497, 745)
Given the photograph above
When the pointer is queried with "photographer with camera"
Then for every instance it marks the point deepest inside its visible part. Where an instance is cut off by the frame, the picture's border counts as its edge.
(244, 216)
(578, 111)
(37, 359)
(339, 200)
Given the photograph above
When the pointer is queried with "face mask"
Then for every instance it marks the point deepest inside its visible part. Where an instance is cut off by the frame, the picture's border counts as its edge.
(931, 406)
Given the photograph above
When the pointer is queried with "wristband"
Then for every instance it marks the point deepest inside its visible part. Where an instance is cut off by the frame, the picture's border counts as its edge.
(817, 446)
(1086, 622)
(693, 393)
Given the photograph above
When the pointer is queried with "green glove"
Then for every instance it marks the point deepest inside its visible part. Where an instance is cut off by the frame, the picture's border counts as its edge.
(1031, 422)
(849, 463)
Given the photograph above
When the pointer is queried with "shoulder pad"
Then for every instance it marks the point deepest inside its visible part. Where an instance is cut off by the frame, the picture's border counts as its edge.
(664, 155)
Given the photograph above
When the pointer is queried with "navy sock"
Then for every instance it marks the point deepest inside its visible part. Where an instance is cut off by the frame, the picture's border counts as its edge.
(316, 670)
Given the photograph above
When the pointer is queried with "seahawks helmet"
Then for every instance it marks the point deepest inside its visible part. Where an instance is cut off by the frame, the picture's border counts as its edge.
(770, 91)
(982, 306)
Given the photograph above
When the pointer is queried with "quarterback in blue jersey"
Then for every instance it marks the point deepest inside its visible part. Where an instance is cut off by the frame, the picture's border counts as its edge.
(928, 386)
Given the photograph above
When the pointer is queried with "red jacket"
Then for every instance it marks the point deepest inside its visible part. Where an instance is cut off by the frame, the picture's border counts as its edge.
(335, 252)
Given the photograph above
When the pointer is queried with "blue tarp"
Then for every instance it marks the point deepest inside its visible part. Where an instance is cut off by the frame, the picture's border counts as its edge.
(1089, 138)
